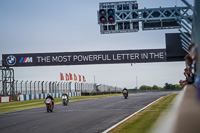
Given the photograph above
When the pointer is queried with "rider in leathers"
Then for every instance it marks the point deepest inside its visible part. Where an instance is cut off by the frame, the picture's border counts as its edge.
(49, 96)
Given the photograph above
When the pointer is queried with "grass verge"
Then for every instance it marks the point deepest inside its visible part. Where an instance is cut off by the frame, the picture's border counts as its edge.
(19, 105)
(143, 121)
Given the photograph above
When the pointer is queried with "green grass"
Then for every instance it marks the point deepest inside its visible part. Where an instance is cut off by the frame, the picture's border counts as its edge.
(144, 120)
(19, 105)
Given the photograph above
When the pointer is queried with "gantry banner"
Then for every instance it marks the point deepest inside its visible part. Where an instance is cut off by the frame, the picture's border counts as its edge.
(84, 58)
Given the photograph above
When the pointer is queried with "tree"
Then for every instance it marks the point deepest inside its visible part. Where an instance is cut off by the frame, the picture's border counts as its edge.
(155, 87)
(166, 87)
(143, 87)
(178, 87)
(172, 87)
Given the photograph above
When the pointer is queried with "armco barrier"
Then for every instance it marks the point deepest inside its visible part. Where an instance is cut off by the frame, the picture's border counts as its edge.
(5, 99)
(43, 96)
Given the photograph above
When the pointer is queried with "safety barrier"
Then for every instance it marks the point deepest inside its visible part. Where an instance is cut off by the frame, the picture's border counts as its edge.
(184, 116)
(26, 97)
(37, 87)
(25, 87)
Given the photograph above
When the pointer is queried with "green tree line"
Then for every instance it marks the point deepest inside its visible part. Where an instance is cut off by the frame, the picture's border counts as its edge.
(166, 87)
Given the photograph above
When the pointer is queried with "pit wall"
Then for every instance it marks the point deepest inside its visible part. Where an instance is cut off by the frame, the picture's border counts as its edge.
(26, 97)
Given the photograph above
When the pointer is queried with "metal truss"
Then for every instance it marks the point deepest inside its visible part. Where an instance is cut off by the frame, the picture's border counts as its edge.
(164, 16)
(186, 25)
(181, 17)
(152, 14)
(7, 81)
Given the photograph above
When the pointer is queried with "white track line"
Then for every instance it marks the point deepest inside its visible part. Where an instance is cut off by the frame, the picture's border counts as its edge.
(109, 129)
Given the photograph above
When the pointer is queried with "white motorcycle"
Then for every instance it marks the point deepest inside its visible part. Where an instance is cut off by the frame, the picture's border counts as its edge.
(65, 100)
(125, 93)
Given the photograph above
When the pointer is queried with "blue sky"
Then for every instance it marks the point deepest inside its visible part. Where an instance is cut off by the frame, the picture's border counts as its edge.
(37, 26)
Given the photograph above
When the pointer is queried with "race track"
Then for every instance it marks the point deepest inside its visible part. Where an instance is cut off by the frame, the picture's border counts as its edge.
(87, 116)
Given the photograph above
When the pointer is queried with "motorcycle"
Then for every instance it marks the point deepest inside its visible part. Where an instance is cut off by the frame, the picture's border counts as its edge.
(125, 93)
(49, 105)
(64, 100)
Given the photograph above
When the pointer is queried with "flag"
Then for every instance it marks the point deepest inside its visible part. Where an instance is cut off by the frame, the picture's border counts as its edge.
(84, 79)
(70, 76)
(61, 76)
(67, 77)
(75, 77)
(79, 78)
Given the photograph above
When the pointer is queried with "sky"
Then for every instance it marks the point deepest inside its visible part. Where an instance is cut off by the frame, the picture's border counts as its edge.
(36, 26)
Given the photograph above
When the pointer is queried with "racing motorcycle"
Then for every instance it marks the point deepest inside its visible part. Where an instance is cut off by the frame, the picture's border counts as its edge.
(125, 93)
(49, 105)
(64, 100)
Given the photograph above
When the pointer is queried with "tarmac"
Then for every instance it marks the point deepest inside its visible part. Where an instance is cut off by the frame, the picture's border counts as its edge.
(86, 116)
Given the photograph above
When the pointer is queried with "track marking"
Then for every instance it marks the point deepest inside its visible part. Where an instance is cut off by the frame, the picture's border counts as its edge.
(109, 129)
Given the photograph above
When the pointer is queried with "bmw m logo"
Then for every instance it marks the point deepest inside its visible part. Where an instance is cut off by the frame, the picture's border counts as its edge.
(26, 60)
(11, 60)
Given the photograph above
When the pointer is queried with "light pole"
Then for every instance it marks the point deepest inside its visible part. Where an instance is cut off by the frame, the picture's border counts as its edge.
(55, 84)
(58, 85)
(34, 87)
(16, 86)
(88, 87)
(81, 87)
(70, 87)
(21, 86)
(50, 86)
(38, 86)
(75, 87)
(26, 86)
(30, 87)
(42, 86)
(65, 87)
(61, 87)
(46, 86)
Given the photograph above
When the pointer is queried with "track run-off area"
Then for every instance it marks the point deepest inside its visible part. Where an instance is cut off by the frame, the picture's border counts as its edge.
(85, 116)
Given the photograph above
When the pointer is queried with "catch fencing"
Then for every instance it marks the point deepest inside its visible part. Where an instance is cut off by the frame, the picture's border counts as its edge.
(38, 87)
(25, 87)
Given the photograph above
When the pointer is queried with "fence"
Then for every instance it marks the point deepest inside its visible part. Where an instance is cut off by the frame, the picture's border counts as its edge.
(41, 87)
(38, 87)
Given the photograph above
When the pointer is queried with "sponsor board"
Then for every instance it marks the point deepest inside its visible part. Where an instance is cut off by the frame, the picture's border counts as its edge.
(83, 58)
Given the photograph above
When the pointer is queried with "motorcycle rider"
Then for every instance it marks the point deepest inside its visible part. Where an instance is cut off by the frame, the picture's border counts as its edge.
(65, 94)
(125, 90)
(49, 96)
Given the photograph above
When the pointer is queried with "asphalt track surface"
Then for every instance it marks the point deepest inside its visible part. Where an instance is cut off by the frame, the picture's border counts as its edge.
(86, 116)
